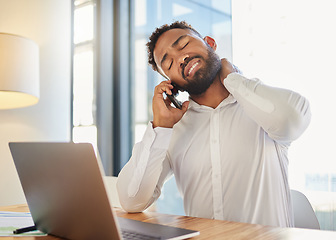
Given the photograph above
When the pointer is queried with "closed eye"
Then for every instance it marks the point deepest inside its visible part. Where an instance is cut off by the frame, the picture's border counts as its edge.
(170, 65)
(185, 45)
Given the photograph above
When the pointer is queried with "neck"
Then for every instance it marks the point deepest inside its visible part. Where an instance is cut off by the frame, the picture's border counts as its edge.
(214, 95)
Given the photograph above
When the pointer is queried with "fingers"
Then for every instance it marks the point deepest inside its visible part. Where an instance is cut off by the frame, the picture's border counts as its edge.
(167, 102)
(164, 86)
(161, 102)
(164, 114)
(228, 67)
(232, 67)
(185, 106)
(236, 69)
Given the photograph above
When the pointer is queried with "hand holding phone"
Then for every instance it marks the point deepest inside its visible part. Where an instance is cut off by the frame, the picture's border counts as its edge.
(163, 114)
(176, 102)
(172, 97)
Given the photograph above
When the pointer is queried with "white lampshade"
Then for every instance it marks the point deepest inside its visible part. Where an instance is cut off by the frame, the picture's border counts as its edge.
(19, 71)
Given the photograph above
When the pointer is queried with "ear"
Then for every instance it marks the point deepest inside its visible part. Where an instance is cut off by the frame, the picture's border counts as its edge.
(212, 43)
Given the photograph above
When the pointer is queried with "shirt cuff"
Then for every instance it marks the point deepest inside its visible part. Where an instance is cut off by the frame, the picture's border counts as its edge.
(232, 82)
(162, 136)
(244, 91)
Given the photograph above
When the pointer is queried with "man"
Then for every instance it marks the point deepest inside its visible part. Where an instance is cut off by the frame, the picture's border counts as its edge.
(227, 146)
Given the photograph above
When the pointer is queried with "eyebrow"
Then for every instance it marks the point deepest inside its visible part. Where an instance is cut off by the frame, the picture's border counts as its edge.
(173, 45)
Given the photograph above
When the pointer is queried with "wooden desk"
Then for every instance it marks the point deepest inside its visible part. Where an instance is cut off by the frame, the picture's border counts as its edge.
(209, 229)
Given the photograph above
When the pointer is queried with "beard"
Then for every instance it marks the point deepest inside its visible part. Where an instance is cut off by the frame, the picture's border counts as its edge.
(205, 76)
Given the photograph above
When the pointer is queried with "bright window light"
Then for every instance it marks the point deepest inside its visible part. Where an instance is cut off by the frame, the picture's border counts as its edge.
(291, 44)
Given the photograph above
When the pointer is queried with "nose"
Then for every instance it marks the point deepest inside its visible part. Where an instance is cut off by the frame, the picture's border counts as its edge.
(183, 60)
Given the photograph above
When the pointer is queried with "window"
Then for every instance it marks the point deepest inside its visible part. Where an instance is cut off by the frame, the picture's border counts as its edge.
(84, 127)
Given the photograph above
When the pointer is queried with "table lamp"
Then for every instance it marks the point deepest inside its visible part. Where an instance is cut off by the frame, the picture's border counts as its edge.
(19, 71)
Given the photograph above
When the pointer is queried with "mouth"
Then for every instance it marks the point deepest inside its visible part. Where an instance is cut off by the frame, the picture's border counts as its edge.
(191, 67)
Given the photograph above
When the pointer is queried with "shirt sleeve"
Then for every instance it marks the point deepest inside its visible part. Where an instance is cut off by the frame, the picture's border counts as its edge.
(140, 181)
(282, 113)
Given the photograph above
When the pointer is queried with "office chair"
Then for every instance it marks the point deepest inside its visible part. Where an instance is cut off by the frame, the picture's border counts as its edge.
(304, 215)
(111, 188)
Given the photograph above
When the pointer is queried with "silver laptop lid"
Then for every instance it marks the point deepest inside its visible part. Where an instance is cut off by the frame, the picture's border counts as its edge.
(65, 190)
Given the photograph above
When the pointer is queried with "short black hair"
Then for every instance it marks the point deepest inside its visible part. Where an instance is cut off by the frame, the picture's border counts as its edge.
(158, 32)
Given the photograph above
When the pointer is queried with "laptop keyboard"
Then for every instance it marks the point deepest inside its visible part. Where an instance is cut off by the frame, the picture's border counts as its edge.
(130, 235)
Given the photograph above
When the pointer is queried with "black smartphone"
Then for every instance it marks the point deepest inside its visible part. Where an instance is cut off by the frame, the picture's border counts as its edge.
(172, 97)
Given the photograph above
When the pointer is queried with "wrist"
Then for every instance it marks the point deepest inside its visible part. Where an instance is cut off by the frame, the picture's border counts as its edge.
(156, 123)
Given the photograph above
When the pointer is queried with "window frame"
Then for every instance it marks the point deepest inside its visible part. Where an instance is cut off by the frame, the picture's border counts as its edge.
(114, 123)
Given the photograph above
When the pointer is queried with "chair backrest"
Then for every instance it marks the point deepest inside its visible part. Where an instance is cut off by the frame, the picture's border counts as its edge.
(304, 215)
(111, 188)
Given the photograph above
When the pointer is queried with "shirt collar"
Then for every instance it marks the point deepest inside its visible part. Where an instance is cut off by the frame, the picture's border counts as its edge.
(197, 107)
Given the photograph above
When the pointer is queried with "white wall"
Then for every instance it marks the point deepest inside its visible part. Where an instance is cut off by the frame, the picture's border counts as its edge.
(48, 23)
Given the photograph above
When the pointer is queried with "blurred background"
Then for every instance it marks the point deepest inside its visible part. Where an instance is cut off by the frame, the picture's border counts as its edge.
(96, 85)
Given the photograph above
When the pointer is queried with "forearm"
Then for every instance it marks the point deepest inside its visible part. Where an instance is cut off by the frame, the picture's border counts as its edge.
(282, 113)
(140, 181)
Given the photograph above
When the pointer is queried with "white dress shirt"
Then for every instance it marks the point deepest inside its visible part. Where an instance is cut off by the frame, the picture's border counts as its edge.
(230, 162)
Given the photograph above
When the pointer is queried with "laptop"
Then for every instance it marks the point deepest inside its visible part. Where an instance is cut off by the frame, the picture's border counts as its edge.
(66, 195)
